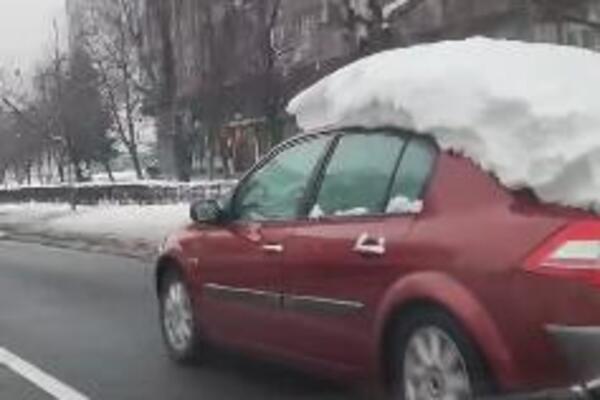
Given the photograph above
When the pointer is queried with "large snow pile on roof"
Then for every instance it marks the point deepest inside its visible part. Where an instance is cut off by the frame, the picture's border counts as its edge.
(529, 113)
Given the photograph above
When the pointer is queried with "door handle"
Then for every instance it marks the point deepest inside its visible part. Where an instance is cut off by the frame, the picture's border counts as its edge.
(273, 248)
(369, 246)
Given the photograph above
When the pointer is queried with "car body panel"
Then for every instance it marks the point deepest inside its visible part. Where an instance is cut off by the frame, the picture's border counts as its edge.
(323, 270)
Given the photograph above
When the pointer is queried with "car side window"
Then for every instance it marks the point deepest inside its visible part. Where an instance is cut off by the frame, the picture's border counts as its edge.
(358, 177)
(274, 192)
(414, 171)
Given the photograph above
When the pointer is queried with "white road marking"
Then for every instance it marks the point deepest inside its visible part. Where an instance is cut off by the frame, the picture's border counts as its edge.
(33, 374)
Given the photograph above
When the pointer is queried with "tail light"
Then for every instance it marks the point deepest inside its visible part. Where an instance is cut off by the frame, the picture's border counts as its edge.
(572, 253)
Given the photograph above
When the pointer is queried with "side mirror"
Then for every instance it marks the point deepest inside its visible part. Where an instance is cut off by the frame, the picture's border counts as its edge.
(206, 211)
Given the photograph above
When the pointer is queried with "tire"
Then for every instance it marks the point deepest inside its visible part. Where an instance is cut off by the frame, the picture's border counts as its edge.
(433, 359)
(178, 320)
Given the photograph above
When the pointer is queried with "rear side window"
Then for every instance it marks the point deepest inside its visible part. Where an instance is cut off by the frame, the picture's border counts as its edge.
(415, 168)
(358, 176)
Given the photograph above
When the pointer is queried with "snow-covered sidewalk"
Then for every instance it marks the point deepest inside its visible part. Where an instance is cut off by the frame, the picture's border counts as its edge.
(124, 229)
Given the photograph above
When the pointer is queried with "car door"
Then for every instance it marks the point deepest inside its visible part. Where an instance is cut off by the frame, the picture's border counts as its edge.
(240, 262)
(339, 261)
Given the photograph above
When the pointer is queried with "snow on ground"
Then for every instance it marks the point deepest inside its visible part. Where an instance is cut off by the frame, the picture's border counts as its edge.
(119, 176)
(528, 113)
(125, 223)
(147, 223)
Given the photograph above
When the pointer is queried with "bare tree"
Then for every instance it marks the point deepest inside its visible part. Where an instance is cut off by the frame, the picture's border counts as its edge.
(88, 118)
(27, 127)
(158, 63)
(273, 97)
(214, 77)
(111, 38)
(368, 22)
(63, 120)
(22, 144)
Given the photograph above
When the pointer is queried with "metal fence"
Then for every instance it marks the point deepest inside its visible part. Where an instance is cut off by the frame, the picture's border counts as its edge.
(142, 193)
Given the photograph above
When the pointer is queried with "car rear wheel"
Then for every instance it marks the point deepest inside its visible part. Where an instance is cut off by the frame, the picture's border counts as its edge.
(178, 321)
(434, 360)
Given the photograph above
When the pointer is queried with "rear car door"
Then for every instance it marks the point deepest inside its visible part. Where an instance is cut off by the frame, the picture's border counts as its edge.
(240, 263)
(340, 259)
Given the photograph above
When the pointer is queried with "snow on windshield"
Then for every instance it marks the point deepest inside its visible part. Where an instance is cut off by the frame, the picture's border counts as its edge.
(528, 113)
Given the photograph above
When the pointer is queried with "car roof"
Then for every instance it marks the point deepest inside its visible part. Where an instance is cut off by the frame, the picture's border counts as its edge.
(358, 129)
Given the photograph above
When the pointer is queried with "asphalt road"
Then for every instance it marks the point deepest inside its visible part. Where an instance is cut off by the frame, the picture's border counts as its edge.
(89, 321)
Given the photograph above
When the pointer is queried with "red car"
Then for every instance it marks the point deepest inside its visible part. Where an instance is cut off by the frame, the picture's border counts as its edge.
(372, 255)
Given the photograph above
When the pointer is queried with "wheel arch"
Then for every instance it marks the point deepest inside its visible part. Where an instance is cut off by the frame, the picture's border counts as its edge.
(164, 264)
(441, 292)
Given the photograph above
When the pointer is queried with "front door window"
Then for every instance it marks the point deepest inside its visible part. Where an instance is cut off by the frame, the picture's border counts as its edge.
(275, 191)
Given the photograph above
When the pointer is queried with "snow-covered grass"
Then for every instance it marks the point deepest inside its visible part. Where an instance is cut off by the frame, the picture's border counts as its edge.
(119, 176)
(528, 113)
(123, 223)
(129, 222)
(116, 224)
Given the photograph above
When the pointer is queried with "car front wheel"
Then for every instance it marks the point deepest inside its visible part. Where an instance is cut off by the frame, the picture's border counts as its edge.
(177, 319)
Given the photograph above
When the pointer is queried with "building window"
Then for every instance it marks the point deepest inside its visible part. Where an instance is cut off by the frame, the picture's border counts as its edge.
(588, 39)
(307, 24)
(573, 38)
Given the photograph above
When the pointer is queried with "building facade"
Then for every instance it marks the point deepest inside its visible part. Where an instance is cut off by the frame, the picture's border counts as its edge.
(565, 22)
(230, 61)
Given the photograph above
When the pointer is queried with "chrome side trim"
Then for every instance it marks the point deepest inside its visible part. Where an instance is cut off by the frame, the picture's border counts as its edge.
(575, 330)
(243, 295)
(304, 304)
(323, 306)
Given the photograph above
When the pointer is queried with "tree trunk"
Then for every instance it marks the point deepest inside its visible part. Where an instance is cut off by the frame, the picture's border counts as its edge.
(28, 172)
(183, 150)
(183, 159)
(108, 169)
(40, 168)
(49, 161)
(133, 148)
(78, 172)
(201, 150)
(560, 31)
(168, 87)
(225, 157)
(135, 159)
(61, 171)
(211, 152)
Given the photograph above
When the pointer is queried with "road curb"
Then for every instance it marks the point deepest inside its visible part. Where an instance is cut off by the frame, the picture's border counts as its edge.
(137, 249)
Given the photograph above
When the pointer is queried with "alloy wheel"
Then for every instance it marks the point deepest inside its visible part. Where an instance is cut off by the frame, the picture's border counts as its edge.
(434, 368)
(177, 317)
